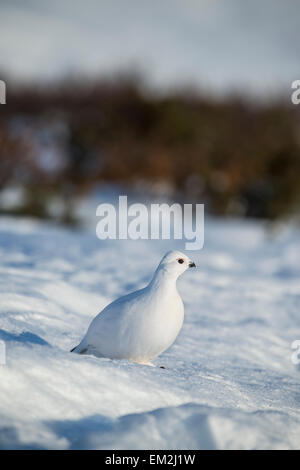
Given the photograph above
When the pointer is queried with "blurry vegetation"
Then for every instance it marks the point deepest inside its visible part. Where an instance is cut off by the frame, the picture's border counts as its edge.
(61, 141)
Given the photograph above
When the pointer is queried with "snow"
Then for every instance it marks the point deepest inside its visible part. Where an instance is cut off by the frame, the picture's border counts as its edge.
(229, 380)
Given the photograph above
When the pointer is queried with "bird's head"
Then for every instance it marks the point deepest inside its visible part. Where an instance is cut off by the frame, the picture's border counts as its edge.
(175, 263)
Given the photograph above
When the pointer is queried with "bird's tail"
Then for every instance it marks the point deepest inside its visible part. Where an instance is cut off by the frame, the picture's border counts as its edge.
(79, 349)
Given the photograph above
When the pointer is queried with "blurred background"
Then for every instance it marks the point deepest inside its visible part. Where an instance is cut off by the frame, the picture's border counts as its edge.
(185, 100)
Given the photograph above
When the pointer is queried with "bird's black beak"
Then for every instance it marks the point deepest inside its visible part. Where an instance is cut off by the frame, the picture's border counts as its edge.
(192, 264)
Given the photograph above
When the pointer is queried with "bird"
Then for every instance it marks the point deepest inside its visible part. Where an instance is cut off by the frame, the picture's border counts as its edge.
(141, 325)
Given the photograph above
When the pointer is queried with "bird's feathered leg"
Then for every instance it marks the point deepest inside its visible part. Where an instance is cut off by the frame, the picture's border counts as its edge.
(150, 364)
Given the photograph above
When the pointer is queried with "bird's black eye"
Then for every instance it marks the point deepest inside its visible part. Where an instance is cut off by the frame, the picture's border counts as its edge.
(180, 261)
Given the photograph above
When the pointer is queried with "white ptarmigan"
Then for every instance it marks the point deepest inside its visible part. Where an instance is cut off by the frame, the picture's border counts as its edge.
(141, 325)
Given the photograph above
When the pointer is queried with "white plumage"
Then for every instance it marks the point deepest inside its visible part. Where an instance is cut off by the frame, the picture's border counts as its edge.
(141, 325)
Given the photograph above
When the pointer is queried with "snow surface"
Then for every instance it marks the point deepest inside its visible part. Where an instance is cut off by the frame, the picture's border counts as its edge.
(229, 380)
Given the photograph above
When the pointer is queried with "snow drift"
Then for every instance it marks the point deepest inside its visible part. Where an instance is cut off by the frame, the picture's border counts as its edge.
(229, 380)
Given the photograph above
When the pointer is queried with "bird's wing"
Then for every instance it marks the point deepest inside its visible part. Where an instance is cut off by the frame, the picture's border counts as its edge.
(118, 311)
(114, 323)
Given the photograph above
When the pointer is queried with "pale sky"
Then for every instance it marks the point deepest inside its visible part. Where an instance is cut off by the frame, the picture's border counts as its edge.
(220, 44)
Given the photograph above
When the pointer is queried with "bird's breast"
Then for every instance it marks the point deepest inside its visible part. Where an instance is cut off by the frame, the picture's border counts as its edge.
(159, 329)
